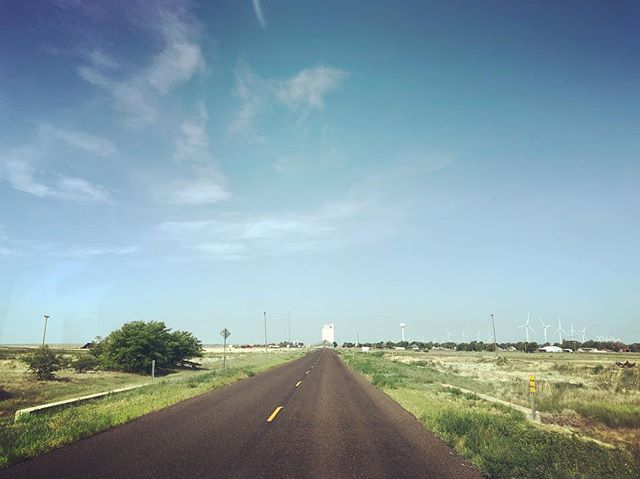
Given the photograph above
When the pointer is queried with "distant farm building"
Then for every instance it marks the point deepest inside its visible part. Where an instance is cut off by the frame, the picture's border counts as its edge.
(550, 349)
(328, 334)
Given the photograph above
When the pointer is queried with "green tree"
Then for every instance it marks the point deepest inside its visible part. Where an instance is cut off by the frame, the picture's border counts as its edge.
(136, 344)
(43, 362)
(184, 345)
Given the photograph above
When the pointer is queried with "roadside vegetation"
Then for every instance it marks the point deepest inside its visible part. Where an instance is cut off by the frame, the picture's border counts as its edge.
(35, 434)
(589, 409)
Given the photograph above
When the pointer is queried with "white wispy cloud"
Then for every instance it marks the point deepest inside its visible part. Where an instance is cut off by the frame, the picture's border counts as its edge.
(102, 60)
(181, 57)
(29, 248)
(201, 182)
(257, 8)
(23, 176)
(84, 141)
(85, 252)
(223, 251)
(253, 93)
(246, 237)
(179, 60)
(308, 88)
(201, 190)
(303, 92)
(22, 169)
(193, 142)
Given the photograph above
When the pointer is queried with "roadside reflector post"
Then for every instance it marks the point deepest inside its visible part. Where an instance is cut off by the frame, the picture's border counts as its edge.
(153, 370)
(532, 392)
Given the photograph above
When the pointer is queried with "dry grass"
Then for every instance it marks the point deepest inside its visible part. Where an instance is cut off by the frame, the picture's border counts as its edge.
(586, 393)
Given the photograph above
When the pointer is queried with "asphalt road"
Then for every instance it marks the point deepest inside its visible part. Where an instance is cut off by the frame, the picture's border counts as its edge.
(332, 423)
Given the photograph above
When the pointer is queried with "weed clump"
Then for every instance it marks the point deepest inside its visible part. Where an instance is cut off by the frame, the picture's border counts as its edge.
(502, 361)
(505, 445)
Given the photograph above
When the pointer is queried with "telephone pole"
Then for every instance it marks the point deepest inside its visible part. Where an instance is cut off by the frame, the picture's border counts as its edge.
(46, 318)
(290, 311)
(495, 345)
(265, 331)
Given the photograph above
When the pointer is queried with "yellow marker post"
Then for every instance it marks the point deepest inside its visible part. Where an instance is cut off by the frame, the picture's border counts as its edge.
(274, 414)
(532, 391)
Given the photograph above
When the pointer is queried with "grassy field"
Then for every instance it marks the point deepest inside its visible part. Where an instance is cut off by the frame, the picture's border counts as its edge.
(38, 433)
(589, 408)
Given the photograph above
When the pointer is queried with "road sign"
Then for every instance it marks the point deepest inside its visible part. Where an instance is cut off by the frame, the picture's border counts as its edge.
(225, 333)
(532, 400)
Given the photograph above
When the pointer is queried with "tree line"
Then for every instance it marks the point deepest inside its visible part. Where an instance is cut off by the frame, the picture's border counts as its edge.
(482, 346)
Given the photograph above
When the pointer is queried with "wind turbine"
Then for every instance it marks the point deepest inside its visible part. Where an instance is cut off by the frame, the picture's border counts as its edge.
(527, 328)
(573, 337)
(449, 336)
(560, 331)
(544, 328)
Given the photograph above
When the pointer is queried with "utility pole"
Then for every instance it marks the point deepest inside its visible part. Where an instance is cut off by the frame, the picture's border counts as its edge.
(290, 311)
(46, 318)
(495, 345)
(265, 331)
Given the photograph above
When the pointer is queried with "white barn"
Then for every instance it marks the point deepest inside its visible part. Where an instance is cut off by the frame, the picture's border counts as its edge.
(550, 349)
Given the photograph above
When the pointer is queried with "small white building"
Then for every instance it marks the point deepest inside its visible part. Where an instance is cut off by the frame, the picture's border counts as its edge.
(550, 349)
(328, 333)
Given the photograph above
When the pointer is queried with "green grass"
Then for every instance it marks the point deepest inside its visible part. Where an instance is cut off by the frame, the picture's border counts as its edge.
(36, 434)
(499, 441)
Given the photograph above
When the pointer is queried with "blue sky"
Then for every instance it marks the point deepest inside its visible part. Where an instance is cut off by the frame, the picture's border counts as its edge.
(366, 163)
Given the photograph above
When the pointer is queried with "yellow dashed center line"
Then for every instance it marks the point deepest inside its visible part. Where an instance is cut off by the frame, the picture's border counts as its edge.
(274, 414)
(298, 383)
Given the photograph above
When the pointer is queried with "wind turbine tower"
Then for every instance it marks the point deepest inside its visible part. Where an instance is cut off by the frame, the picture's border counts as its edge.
(559, 331)
(544, 329)
(402, 326)
(527, 328)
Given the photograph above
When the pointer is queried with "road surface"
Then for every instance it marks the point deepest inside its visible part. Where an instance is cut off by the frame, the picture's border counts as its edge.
(310, 418)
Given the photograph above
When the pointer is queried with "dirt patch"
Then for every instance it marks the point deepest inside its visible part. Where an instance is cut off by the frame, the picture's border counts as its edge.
(568, 418)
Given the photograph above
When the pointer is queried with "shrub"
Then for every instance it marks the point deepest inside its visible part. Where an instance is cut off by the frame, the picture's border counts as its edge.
(389, 381)
(43, 362)
(84, 363)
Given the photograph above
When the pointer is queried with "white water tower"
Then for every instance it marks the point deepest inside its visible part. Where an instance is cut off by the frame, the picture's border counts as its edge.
(402, 326)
